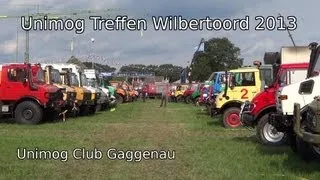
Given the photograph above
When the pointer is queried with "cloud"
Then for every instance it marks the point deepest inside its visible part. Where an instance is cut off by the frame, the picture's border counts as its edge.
(8, 47)
(154, 47)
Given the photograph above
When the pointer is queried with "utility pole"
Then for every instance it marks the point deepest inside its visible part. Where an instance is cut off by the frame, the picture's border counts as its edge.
(17, 42)
(290, 35)
(92, 48)
(26, 53)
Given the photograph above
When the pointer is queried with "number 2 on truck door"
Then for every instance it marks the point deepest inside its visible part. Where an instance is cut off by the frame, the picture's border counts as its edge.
(244, 93)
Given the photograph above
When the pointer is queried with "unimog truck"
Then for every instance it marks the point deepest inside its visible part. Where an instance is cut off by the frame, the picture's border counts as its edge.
(52, 76)
(298, 109)
(290, 66)
(96, 94)
(121, 93)
(83, 96)
(242, 84)
(24, 97)
(82, 82)
(92, 79)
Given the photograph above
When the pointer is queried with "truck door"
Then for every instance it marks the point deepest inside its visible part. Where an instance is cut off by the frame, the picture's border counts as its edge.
(17, 84)
(243, 86)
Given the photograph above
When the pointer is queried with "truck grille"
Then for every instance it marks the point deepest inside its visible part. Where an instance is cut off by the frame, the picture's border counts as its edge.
(57, 95)
(87, 96)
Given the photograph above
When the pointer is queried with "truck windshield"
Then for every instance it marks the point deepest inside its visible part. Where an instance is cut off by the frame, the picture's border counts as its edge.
(56, 78)
(74, 80)
(212, 76)
(242, 79)
(84, 80)
(40, 76)
(267, 76)
(92, 83)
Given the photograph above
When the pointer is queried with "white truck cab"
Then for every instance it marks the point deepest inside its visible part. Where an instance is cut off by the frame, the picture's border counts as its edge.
(286, 96)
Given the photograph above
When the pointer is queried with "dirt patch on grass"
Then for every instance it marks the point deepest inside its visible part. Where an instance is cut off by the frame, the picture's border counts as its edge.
(154, 134)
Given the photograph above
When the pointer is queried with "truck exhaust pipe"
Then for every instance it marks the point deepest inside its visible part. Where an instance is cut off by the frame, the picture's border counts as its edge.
(48, 74)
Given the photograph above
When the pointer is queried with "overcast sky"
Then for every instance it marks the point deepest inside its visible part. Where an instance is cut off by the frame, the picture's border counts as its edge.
(154, 47)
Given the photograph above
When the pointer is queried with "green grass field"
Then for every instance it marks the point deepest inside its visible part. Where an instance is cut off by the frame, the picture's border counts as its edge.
(203, 149)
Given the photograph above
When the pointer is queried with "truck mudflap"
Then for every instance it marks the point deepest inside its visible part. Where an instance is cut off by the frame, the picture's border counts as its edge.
(309, 137)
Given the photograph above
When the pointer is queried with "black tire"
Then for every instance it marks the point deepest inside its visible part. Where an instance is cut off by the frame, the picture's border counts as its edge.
(268, 135)
(306, 150)
(231, 118)
(293, 142)
(188, 99)
(119, 99)
(92, 109)
(28, 112)
(196, 101)
(179, 98)
(84, 110)
(98, 108)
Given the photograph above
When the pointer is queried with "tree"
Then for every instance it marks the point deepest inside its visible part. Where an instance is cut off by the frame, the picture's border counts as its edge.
(100, 67)
(74, 60)
(219, 55)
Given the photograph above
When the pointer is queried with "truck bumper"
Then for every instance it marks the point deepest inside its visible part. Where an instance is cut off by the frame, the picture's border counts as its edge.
(246, 116)
(55, 105)
(309, 137)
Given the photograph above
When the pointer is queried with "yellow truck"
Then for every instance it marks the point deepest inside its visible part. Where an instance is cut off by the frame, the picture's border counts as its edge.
(69, 93)
(242, 85)
(83, 96)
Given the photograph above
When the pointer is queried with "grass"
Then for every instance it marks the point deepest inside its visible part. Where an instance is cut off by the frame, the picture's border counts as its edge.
(203, 149)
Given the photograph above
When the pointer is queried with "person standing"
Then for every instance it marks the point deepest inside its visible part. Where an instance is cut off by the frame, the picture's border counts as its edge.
(164, 97)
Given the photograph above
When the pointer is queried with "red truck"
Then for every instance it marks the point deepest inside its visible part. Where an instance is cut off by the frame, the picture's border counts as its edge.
(187, 94)
(256, 113)
(23, 98)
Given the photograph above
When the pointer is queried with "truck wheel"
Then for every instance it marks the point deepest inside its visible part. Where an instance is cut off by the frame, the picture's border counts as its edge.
(268, 135)
(119, 99)
(28, 112)
(98, 108)
(84, 110)
(188, 100)
(196, 101)
(231, 118)
(179, 98)
(307, 151)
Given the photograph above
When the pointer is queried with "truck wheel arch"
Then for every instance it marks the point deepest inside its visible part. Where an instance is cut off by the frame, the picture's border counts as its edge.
(230, 104)
(264, 111)
(27, 98)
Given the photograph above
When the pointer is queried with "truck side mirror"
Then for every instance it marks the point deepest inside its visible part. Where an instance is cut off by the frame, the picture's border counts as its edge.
(25, 80)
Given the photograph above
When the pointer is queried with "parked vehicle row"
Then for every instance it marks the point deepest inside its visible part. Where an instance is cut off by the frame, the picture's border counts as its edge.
(32, 93)
(279, 98)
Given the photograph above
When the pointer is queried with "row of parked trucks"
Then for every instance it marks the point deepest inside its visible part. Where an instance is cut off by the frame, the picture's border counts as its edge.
(279, 98)
(31, 93)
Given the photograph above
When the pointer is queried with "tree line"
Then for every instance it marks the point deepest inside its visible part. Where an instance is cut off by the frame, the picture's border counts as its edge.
(219, 54)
